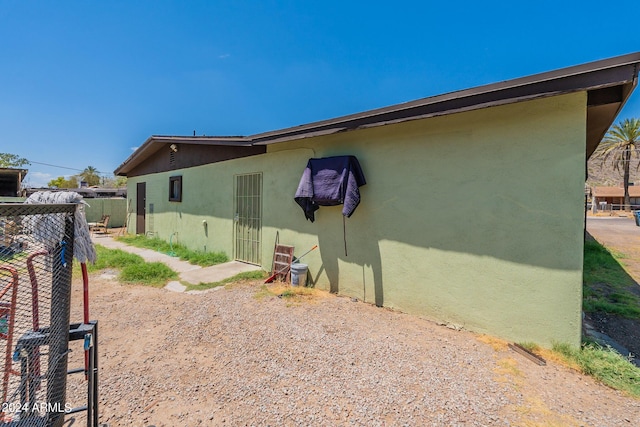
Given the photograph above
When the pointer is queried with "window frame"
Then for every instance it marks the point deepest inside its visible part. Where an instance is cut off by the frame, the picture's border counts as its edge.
(173, 181)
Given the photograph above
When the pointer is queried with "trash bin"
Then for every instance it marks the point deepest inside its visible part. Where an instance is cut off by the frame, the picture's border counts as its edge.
(299, 274)
(636, 215)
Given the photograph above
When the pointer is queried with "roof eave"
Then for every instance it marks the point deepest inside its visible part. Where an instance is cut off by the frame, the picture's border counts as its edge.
(585, 77)
(156, 142)
(609, 83)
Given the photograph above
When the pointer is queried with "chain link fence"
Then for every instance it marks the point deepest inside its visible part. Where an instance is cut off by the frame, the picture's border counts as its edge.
(36, 250)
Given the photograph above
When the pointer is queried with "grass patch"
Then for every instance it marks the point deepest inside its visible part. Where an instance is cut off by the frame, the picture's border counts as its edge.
(604, 364)
(201, 258)
(602, 305)
(155, 274)
(600, 265)
(108, 258)
(238, 278)
(607, 284)
(11, 256)
(133, 269)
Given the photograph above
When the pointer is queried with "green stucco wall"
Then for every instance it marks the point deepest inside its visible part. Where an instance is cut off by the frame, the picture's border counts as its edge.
(474, 219)
(116, 208)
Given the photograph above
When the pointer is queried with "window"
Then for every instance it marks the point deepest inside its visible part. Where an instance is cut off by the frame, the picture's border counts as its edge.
(175, 189)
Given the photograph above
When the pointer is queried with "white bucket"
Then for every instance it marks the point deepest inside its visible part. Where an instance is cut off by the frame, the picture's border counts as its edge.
(299, 274)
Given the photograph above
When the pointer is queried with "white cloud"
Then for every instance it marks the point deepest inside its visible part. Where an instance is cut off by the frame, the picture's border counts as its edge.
(134, 148)
(37, 179)
(224, 56)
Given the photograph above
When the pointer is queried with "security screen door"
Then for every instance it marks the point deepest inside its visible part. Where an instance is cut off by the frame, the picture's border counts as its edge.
(141, 207)
(248, 217)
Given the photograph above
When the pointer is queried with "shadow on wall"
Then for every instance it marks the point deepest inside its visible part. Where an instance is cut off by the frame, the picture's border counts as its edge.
(348, 246)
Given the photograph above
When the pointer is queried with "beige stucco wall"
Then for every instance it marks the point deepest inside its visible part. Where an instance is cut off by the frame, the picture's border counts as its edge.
(474, 219)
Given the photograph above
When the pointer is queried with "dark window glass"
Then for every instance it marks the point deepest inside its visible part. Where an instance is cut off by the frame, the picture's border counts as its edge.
(175, 189)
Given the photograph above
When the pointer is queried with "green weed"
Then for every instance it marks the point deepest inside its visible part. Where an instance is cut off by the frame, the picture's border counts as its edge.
(154, 274)
(108, 258)
(133, 269)
(604, 364)
(607, 284)
(201, 258)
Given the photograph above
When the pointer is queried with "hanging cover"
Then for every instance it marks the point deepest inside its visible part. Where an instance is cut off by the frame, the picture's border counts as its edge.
(330, 181)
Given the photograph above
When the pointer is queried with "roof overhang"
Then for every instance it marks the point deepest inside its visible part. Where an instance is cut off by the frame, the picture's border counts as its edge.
(601, 191)
(20, 173)
(155, 142)
(608, 84)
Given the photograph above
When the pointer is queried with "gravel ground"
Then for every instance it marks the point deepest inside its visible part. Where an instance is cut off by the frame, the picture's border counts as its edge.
(236, 356)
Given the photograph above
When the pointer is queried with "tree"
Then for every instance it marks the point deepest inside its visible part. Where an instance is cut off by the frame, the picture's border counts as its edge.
(62, 182)
(620, 144)
(90, 175)
(115, 182)
(12, 161)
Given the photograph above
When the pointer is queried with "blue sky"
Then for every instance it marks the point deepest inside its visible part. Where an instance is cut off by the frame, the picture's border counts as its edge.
(84, 82)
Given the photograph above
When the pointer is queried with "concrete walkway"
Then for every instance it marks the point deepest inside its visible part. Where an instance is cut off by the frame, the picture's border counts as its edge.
(189, 273)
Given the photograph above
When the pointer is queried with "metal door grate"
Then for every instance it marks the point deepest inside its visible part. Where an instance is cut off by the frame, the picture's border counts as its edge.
(248, 218)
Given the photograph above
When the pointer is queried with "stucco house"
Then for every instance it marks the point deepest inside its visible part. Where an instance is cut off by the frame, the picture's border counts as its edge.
(472, 213)
(612, 198)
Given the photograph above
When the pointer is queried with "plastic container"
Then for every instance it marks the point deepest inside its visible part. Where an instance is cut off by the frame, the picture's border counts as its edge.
(299, 274)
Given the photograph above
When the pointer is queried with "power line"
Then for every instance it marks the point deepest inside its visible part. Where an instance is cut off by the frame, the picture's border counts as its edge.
(55, 166)
(63, 167)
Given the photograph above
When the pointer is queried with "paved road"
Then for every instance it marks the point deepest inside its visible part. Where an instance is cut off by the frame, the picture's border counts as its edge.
(613, 228)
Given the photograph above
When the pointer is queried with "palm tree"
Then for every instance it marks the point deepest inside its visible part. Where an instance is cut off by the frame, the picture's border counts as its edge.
(90, 175)
(620, 144)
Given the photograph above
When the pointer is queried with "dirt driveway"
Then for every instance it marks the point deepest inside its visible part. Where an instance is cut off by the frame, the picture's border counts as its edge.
(240, 356)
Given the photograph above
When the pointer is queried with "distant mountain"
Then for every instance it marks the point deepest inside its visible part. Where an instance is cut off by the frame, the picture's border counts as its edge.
(606, 175)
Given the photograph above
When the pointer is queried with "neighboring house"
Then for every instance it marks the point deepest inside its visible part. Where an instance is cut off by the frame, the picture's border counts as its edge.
(11, 181)
(472, 213)
(612, 198)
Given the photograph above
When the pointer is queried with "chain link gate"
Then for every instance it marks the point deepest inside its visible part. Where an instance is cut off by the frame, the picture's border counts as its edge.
(36, 251)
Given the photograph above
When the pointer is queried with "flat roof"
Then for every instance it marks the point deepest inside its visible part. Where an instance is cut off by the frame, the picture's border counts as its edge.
(608, 82)
(14, 171)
